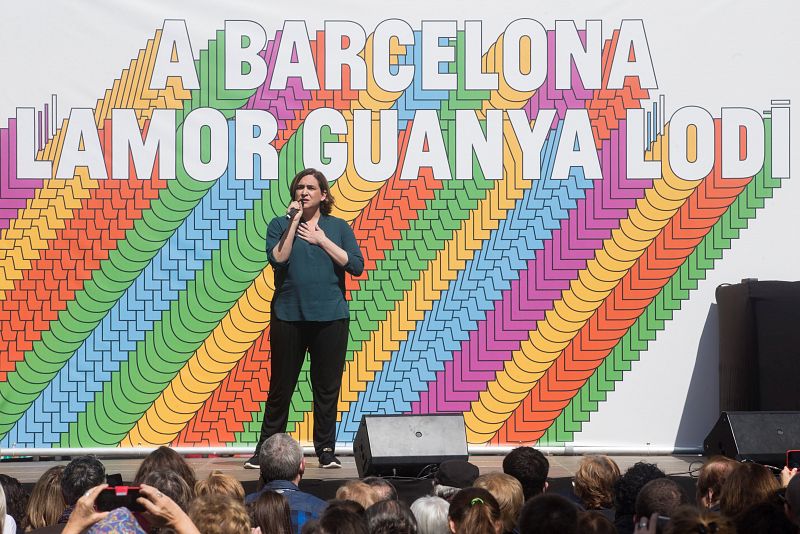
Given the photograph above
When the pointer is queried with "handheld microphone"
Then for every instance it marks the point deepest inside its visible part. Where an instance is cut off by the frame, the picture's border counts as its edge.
(292, 213)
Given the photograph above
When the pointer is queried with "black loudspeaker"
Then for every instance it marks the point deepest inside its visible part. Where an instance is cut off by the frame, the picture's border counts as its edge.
(759, 345)
(404, 445)
(761, 437)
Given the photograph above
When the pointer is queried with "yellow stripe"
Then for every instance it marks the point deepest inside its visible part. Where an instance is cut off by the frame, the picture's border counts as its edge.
(243, 324)
(55, 201)
(585, 294)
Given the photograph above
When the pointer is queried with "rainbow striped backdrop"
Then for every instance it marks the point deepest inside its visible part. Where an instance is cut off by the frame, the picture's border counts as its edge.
(137, 311)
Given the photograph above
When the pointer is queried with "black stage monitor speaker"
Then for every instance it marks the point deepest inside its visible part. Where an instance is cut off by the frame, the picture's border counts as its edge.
(762, 437)
(403, 445)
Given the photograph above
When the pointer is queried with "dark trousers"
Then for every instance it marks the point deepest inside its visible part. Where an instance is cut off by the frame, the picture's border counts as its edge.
(326, 343)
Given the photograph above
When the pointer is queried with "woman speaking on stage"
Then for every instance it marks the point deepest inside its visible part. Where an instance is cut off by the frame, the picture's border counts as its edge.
(310, 252)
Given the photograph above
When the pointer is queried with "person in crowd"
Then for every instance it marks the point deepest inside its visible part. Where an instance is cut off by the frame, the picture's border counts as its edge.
(594, 522)
(710, 480)
(218, 483)
(351, 506)
(16, 497)
(545, 514)
(765, 516)
(79, 476)
(431, 514)
(282, 466)
(166, 459)
(452, 476)
(310, 251)
(530, 467)
(390, 517)
(508, 492)
(747, 485)
(171, 484)
(792, 498)
(474, 511)
(692, 520)
(627, 488)
(161, 512)
(219, 514)
(337, 520)
(661, 497)
(270, 513)
(46, 503)
(355, 490)
(384, 490)
(118, 521)
(594, 483)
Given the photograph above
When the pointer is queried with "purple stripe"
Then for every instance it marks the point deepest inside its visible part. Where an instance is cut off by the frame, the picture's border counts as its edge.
(546, 276)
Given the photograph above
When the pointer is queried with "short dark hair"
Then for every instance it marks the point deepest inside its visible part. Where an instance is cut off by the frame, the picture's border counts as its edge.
(342, 520)
(172, 485)
(662, 496)
(16, 497)
(326, 205)
(548, 513)
(767, 516)
(631, 482)
(530, 467)
(390, 517)
(80, 475)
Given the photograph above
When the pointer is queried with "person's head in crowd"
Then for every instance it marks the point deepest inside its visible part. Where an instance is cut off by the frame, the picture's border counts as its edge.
(530, 467)
(218, 483)
(165, 459)
(270, 513)
(507, 490)
(711, 478)
(46, 503)
(16, 497)
(594, 481)
(384, 490)
(548, 513)
(352, 506)
(692, 520)
(219, 514)
(81, 474)
(764, 517)
(281, 458)
(337, 520)
(355, 490)
(172, 485)
(118, 521)
(594, 522)
(431, 513)
(390, 517)
(747, 485)
(452, 476)
(792, 497)
(661, 496)
(475, 511)
(630, 483)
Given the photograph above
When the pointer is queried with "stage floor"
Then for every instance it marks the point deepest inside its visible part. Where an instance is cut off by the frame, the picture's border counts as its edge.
(28, 471)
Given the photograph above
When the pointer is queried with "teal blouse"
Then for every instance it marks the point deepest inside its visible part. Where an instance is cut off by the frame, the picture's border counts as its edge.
(309, 286)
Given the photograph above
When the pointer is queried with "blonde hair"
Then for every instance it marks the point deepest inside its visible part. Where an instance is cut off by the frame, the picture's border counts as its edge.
(218, 483)
(594, 481)
(357, 491)
(508, 492)
(219, 514)
(46, 503)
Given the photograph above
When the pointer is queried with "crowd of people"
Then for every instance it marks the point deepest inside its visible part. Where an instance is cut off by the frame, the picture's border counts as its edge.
(730, 497)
